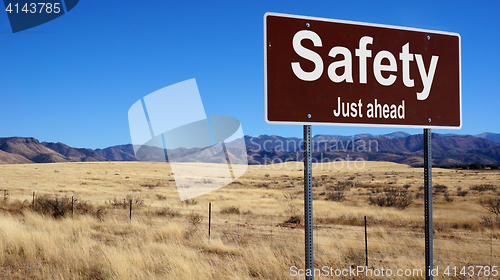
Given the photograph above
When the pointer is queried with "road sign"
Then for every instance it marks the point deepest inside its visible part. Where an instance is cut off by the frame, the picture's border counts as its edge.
(332, 72)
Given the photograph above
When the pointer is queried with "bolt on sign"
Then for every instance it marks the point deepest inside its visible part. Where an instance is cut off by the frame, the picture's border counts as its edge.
(332, 72)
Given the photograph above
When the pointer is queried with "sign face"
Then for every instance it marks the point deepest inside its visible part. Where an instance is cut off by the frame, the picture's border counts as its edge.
(331, 72)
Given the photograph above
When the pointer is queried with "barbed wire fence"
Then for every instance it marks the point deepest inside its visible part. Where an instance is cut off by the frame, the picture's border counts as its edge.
(372, 243)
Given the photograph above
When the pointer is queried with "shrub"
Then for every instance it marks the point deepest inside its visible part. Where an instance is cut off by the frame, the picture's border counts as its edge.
(345, 185)
(392, 197)
(137, 201)
(14, 206)
(51, 206)
(82, 207)
(194, 220)
(483, 187)
(264, 185)
(440, 188)
(354, 257)
(447, 197)
(60, 207)
(475, 166)
(490, 222)
(116, 203)
(99, 214)
(462, 193)
(350, 220)
(125, 203)
(338, 196)
(167, 212)
(161, 196)
(295, 219)
(492, 205)
(190, 201)
(230, 210)
(342, 186)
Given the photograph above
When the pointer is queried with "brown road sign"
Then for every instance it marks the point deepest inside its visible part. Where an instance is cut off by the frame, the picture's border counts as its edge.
(331, 72)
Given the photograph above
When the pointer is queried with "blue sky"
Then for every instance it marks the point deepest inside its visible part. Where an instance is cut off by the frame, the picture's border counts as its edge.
(73, 79)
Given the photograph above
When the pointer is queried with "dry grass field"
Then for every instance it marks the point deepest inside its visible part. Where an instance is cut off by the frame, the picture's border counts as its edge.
(256, 230)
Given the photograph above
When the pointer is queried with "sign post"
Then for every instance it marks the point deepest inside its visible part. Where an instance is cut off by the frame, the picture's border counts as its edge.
(308, 201)
(428, 203)
(332, 72)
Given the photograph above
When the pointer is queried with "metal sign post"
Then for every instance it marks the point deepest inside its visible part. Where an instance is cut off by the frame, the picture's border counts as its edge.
(308, 201)
(428, 203)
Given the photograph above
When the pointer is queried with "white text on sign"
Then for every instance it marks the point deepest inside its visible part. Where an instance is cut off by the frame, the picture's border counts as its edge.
(373, 110)
(363, 53)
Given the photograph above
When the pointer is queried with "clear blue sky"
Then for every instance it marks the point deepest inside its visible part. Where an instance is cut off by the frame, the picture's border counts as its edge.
(73, 79)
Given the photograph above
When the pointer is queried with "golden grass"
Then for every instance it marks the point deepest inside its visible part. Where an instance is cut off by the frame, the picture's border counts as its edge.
(162, 241)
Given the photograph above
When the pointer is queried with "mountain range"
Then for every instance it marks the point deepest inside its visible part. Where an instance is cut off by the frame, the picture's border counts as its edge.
(400, 147)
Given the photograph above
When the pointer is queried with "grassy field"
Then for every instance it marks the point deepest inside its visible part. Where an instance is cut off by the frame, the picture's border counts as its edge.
(256, 230)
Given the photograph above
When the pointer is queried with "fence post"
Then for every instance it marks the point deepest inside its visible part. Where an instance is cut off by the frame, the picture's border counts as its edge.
(33, 204)
(366, 245)
(209, 218)
(72, 206)
(4, 194)
(131, 209)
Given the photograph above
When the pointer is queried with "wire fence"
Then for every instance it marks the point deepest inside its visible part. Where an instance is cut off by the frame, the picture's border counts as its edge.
(373, 243)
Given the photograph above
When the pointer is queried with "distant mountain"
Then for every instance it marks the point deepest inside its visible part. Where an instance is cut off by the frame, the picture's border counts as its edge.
(446, 150)
(397, 147)
(8, 158)
(73, 154)
(486, 154)
(440, 144)
(495, 137)
(268, 143)
(31, 149)
(395, 135)
(117, 153)
(289, 144)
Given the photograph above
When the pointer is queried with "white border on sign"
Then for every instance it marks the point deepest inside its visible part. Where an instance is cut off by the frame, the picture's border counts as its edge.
(364, 24)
